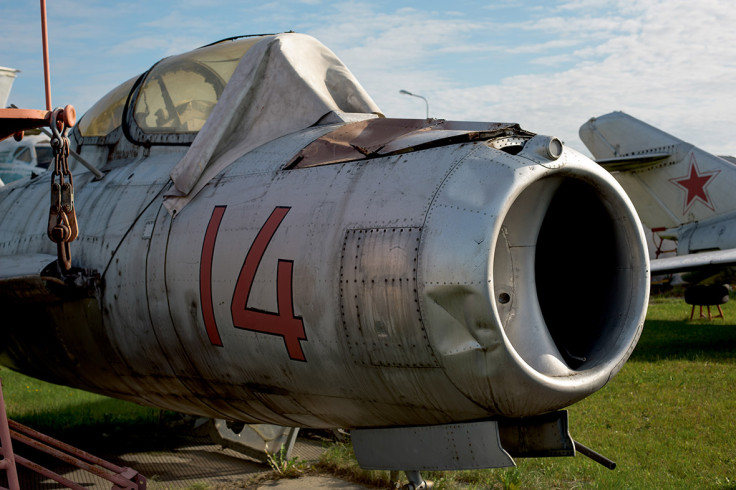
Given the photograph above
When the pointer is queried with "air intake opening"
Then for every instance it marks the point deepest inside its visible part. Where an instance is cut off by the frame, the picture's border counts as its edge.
(576, 268)
(567, 268)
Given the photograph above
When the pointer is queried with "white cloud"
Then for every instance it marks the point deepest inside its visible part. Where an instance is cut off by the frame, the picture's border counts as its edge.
(544, 47)
(393, 50)
(665, 62)
(549, 67)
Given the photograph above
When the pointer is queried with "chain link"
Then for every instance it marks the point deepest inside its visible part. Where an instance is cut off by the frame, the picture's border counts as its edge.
(62, 225)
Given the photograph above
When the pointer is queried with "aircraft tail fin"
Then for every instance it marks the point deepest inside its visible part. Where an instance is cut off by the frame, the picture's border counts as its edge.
(618, 137)
(670, 182)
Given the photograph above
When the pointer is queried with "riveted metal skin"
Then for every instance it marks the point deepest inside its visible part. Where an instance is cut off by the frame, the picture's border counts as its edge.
(430, 286)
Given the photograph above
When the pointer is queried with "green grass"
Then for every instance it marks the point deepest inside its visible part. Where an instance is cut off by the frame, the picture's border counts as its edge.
(666, 418)
(57, 409)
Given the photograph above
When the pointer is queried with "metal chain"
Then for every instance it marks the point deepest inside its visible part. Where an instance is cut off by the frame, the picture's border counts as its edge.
(62, 225)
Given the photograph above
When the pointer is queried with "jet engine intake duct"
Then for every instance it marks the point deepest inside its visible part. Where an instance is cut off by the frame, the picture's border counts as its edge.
(576, 269)
(565, 271)
(564, 295)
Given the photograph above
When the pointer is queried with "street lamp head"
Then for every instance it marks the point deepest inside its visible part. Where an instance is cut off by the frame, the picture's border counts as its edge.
(406, 92)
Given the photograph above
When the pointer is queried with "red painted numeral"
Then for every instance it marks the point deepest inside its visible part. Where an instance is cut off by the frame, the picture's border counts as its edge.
(205, 275)
(283, 323)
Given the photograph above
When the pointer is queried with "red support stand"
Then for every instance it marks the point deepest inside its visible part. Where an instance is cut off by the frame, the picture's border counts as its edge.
(7, 464)
(120, 477)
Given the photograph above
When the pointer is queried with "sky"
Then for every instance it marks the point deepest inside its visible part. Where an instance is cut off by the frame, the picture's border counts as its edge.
(549, 66)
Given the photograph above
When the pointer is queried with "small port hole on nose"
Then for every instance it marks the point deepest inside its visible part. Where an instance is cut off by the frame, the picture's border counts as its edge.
(504, 298)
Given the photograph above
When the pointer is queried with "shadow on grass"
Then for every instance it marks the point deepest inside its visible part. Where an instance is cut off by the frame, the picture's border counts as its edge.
(100, 424)
(687, 341)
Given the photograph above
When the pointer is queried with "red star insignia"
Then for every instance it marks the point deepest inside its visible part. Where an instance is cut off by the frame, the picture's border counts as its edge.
(695, 185)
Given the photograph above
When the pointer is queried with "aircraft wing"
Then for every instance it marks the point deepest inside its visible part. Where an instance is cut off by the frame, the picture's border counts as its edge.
(691, 262)
(20, 276)
(632, 162)
(14, 266)
(30, 278)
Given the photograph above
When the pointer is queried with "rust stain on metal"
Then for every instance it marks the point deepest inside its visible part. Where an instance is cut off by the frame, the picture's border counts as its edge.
(382, 137)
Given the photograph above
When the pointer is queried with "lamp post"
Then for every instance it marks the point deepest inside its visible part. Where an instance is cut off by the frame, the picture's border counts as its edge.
(406, 92)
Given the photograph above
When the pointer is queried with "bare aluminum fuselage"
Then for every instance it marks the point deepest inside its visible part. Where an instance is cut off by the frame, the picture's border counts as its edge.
(452, 283)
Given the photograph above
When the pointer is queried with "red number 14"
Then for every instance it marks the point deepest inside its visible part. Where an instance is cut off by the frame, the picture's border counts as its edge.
(283, 323)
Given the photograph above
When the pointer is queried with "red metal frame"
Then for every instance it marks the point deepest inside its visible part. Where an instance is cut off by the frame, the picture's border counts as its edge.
(120, 477)
(8, 462)
(45, 45)
(658, 246)
(710, 317)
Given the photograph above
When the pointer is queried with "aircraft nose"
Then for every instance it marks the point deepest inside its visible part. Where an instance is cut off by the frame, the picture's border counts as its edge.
(562, 298)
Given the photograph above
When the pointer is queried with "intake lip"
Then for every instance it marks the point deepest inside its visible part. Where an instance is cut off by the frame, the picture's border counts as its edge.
(566, 274)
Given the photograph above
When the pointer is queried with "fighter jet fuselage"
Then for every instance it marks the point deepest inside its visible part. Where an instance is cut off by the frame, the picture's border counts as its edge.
(356, 272)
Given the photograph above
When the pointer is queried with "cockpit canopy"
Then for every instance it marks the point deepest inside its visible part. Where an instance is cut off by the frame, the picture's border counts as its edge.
(224, 100)
(174, 97)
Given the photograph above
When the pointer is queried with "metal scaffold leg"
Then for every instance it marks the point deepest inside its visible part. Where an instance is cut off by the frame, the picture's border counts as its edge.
(8, 462)
(120, 477)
